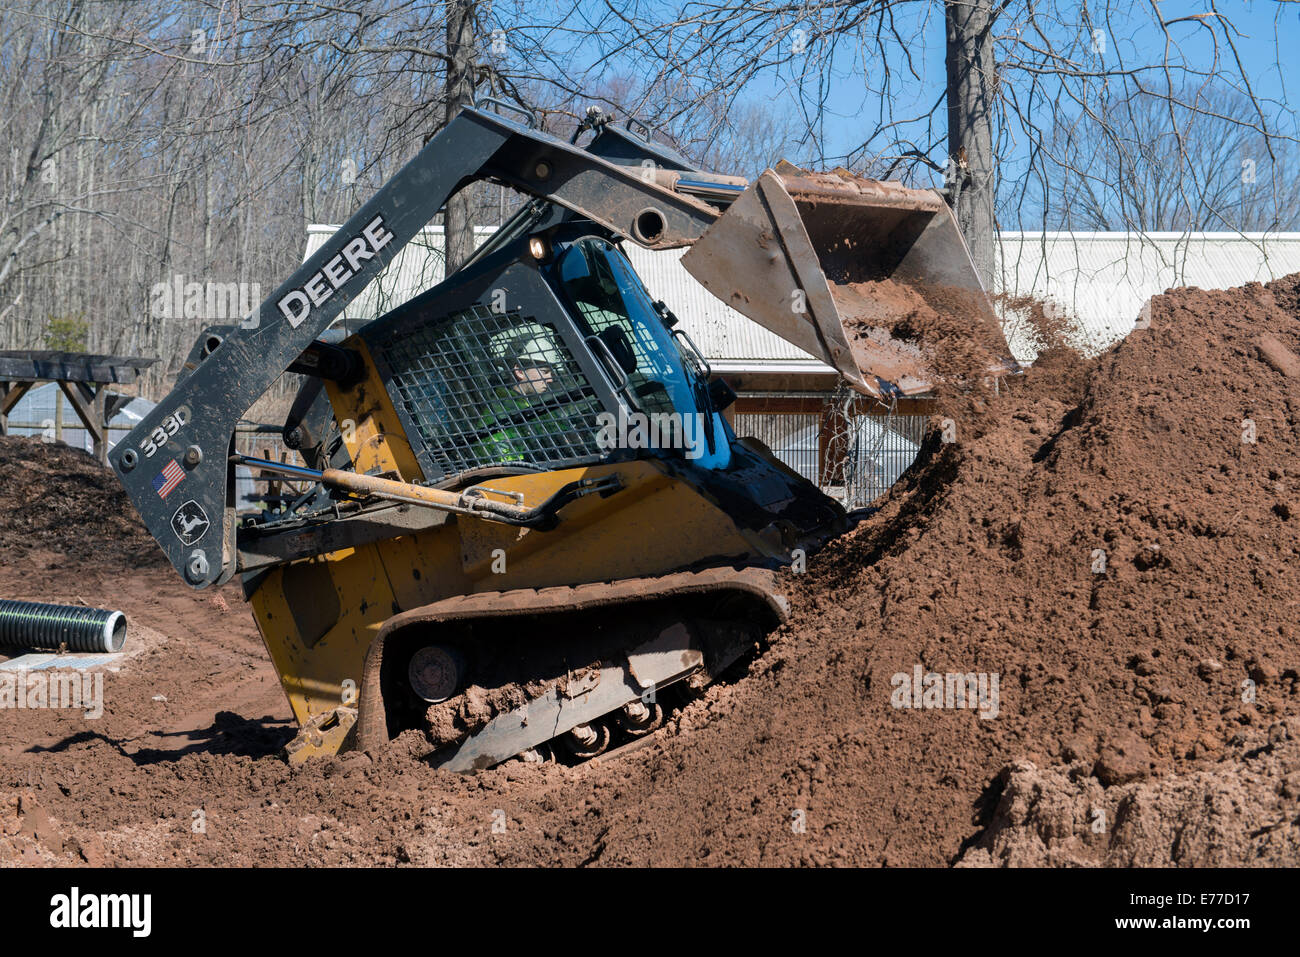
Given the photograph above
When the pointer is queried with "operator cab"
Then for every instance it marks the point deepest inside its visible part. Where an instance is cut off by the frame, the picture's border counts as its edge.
(528, 363)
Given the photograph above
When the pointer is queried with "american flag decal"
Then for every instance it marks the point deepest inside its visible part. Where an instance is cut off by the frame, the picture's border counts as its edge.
(171, 476)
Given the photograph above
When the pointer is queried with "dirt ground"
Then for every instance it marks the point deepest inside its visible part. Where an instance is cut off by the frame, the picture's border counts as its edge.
(1112, 541)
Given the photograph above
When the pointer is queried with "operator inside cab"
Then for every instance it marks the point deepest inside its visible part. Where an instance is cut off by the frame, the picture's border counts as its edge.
(526, 412)
(532, 376)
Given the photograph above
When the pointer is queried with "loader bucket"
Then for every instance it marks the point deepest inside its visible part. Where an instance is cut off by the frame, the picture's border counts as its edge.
(870, 277)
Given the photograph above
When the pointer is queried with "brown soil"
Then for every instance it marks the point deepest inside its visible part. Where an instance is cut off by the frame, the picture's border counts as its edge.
(1148, 711)
(1046, 324)
(54, 497)
(1232, 814)
(943, 335)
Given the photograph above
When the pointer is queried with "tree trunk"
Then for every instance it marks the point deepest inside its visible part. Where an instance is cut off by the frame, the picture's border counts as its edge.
(972, 78)
(457, 219)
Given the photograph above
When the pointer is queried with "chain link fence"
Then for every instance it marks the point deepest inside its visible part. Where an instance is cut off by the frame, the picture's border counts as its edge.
(849, 445)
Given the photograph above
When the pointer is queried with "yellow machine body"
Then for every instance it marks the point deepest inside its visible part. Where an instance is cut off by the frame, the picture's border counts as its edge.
(655, 524)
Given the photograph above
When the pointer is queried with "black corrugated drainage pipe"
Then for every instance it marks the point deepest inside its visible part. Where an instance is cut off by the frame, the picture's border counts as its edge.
(33, 624)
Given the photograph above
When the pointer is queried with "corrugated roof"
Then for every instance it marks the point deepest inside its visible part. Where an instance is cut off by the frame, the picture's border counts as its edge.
(1099, 280)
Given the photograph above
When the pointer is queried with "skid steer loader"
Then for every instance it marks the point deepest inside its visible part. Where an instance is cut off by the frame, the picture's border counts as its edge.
(525, 526)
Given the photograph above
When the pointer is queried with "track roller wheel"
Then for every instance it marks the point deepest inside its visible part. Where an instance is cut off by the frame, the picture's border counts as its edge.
(586, 740)
(541, 754)
(435, 673)
(638, 718)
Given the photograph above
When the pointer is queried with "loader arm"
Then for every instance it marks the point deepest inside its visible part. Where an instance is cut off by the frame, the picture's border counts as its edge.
(175, 464)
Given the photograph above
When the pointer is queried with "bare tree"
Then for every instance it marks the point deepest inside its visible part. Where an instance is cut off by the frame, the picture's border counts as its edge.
(971, 88)
(458, 220)
(158, 155)
(1199, 166)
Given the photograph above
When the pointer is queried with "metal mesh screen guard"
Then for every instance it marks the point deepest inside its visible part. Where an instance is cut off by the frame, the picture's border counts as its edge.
(492, 389)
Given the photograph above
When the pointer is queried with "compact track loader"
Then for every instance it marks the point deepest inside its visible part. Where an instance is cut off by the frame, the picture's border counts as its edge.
(525, 526)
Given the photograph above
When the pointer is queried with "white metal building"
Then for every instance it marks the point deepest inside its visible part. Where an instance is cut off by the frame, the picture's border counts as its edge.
(1102, 280)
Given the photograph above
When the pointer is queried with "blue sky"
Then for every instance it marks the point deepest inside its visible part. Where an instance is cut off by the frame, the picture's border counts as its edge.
(1266, 34)
(1268, 45)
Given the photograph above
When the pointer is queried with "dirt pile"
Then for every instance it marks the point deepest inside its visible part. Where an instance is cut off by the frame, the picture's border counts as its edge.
(1111, 542)
(58, 498)
(1127, 567)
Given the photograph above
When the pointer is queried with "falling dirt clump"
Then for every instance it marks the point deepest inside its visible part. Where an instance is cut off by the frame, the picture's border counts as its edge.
(944, 335)
(962, 334)
(1059, 368)
(1043, 323)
